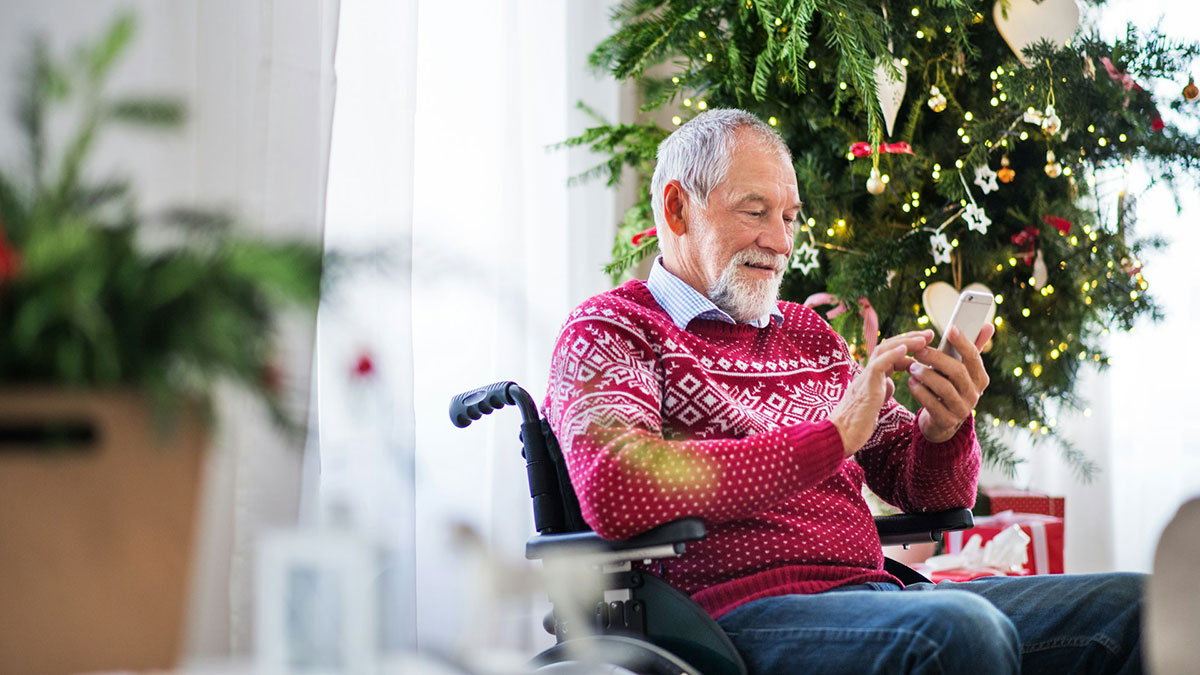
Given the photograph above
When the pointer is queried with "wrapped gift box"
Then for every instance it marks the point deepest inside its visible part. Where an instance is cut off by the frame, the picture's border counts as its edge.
(966, 574)
(999, 499)
(1045, 549)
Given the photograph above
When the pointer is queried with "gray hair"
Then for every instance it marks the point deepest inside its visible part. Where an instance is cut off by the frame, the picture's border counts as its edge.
(698, 154)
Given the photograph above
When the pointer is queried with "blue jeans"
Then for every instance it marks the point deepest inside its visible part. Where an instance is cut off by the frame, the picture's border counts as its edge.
(1087, 623)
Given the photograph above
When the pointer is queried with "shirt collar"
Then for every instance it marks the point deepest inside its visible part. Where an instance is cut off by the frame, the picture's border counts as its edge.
(684, 303)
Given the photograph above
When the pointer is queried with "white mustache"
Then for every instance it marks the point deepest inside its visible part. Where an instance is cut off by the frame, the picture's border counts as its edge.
(775, 261)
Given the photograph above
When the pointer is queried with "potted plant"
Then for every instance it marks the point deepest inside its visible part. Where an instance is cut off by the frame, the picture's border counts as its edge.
(109, 353)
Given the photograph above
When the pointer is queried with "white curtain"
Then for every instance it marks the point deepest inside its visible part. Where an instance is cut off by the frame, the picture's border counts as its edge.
(257, 80)
(502, 250)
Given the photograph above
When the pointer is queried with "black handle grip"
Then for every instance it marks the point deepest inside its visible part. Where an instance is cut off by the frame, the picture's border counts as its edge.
(471, 405)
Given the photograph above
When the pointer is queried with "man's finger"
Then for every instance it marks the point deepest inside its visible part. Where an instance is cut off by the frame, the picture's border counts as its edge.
(970, 353)
(915, 338)
(950, 367)
(957, 403)
(937, 410)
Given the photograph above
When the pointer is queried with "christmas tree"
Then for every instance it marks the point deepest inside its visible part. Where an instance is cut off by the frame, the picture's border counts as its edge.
(937, 144)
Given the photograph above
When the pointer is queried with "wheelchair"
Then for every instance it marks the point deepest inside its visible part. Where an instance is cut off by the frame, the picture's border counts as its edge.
(631, 620)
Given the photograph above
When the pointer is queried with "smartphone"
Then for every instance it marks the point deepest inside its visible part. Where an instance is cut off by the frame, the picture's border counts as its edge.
(969, 315)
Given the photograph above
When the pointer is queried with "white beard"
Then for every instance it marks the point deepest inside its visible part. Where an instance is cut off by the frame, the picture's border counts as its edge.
(743, 297)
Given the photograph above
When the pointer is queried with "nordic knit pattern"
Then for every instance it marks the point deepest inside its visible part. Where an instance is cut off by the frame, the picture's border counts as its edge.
(728, 423)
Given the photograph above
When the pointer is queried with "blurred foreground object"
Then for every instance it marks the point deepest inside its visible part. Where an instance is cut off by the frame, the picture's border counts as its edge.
(84, 302)
(1173, 595)
(114, 331)
(96, 534)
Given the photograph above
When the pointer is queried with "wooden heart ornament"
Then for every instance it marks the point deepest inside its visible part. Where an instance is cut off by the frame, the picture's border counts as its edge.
(939, 300)
(1024, 22)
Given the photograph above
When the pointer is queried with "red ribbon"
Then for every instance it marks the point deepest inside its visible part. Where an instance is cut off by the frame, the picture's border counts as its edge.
(870, 318)
(1062, 224)
(862, 149)
(648, 232)
(1026, 238)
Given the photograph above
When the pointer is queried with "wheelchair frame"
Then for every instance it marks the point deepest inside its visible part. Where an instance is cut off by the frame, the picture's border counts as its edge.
(636, 621)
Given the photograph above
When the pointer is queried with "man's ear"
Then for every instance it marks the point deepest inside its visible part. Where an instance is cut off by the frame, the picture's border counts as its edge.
(675, 206)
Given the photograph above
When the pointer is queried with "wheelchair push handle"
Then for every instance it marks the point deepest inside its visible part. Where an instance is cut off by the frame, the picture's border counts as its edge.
(474, 404)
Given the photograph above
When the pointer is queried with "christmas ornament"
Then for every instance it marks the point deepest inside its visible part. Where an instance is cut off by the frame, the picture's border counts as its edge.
(891, 90)
(1005, 173)
(985, 178)
(1050, 121)
(1191, 92)
(960, 61)
(937, 102)
(1027, 240)
(1040, 273)
(875, 182)
(1023, 23)
(974, 216)
(976, 219)
(1089, 67)
(941, 248)
(939, 299)
(1053, 168)
(804, 258)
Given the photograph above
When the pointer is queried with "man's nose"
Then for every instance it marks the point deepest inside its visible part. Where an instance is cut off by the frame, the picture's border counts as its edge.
(777, 237)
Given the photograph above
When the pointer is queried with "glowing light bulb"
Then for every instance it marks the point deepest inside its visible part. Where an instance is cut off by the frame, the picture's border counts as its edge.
(772, 121)
(1017, 371)
(920, 34)
(676, 120)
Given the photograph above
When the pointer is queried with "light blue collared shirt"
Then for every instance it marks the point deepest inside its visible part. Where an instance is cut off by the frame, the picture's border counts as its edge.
(684, 303)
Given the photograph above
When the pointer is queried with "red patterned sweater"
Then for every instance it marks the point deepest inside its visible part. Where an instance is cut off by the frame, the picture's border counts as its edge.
(728, 423)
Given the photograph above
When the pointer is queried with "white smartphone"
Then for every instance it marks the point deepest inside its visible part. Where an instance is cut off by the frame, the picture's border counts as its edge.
(969, 315)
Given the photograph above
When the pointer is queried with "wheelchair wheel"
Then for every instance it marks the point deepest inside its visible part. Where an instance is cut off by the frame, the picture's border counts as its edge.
(610, 655)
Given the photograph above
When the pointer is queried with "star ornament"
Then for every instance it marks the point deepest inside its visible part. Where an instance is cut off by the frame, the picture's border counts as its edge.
(976, 219)
(985, 178)
(941, 248)
(804, 258)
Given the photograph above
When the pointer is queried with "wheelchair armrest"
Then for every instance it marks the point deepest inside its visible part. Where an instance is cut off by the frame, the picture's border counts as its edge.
(668, 537)
(916, 528)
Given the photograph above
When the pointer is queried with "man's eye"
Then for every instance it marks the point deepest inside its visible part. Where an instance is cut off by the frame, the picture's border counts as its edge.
(756, 214)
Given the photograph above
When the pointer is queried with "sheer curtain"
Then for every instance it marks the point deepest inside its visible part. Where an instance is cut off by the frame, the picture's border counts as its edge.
(502, 250)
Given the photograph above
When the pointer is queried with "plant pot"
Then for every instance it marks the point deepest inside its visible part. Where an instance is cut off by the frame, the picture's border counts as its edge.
(95, 531)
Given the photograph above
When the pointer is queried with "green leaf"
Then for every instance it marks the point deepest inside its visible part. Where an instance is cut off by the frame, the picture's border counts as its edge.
(157, 112)
(104, 53)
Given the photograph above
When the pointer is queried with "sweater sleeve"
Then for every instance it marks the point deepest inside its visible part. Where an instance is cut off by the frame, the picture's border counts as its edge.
(911, 473)
(604, 405)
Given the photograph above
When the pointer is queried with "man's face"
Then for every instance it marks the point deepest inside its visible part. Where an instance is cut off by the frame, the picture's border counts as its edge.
(739, 245)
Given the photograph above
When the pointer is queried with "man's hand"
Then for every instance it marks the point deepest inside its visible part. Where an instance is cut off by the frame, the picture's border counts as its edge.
(856, 414)
(947, 388)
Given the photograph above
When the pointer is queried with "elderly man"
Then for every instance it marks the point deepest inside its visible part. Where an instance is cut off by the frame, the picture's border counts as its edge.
(698, 393)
